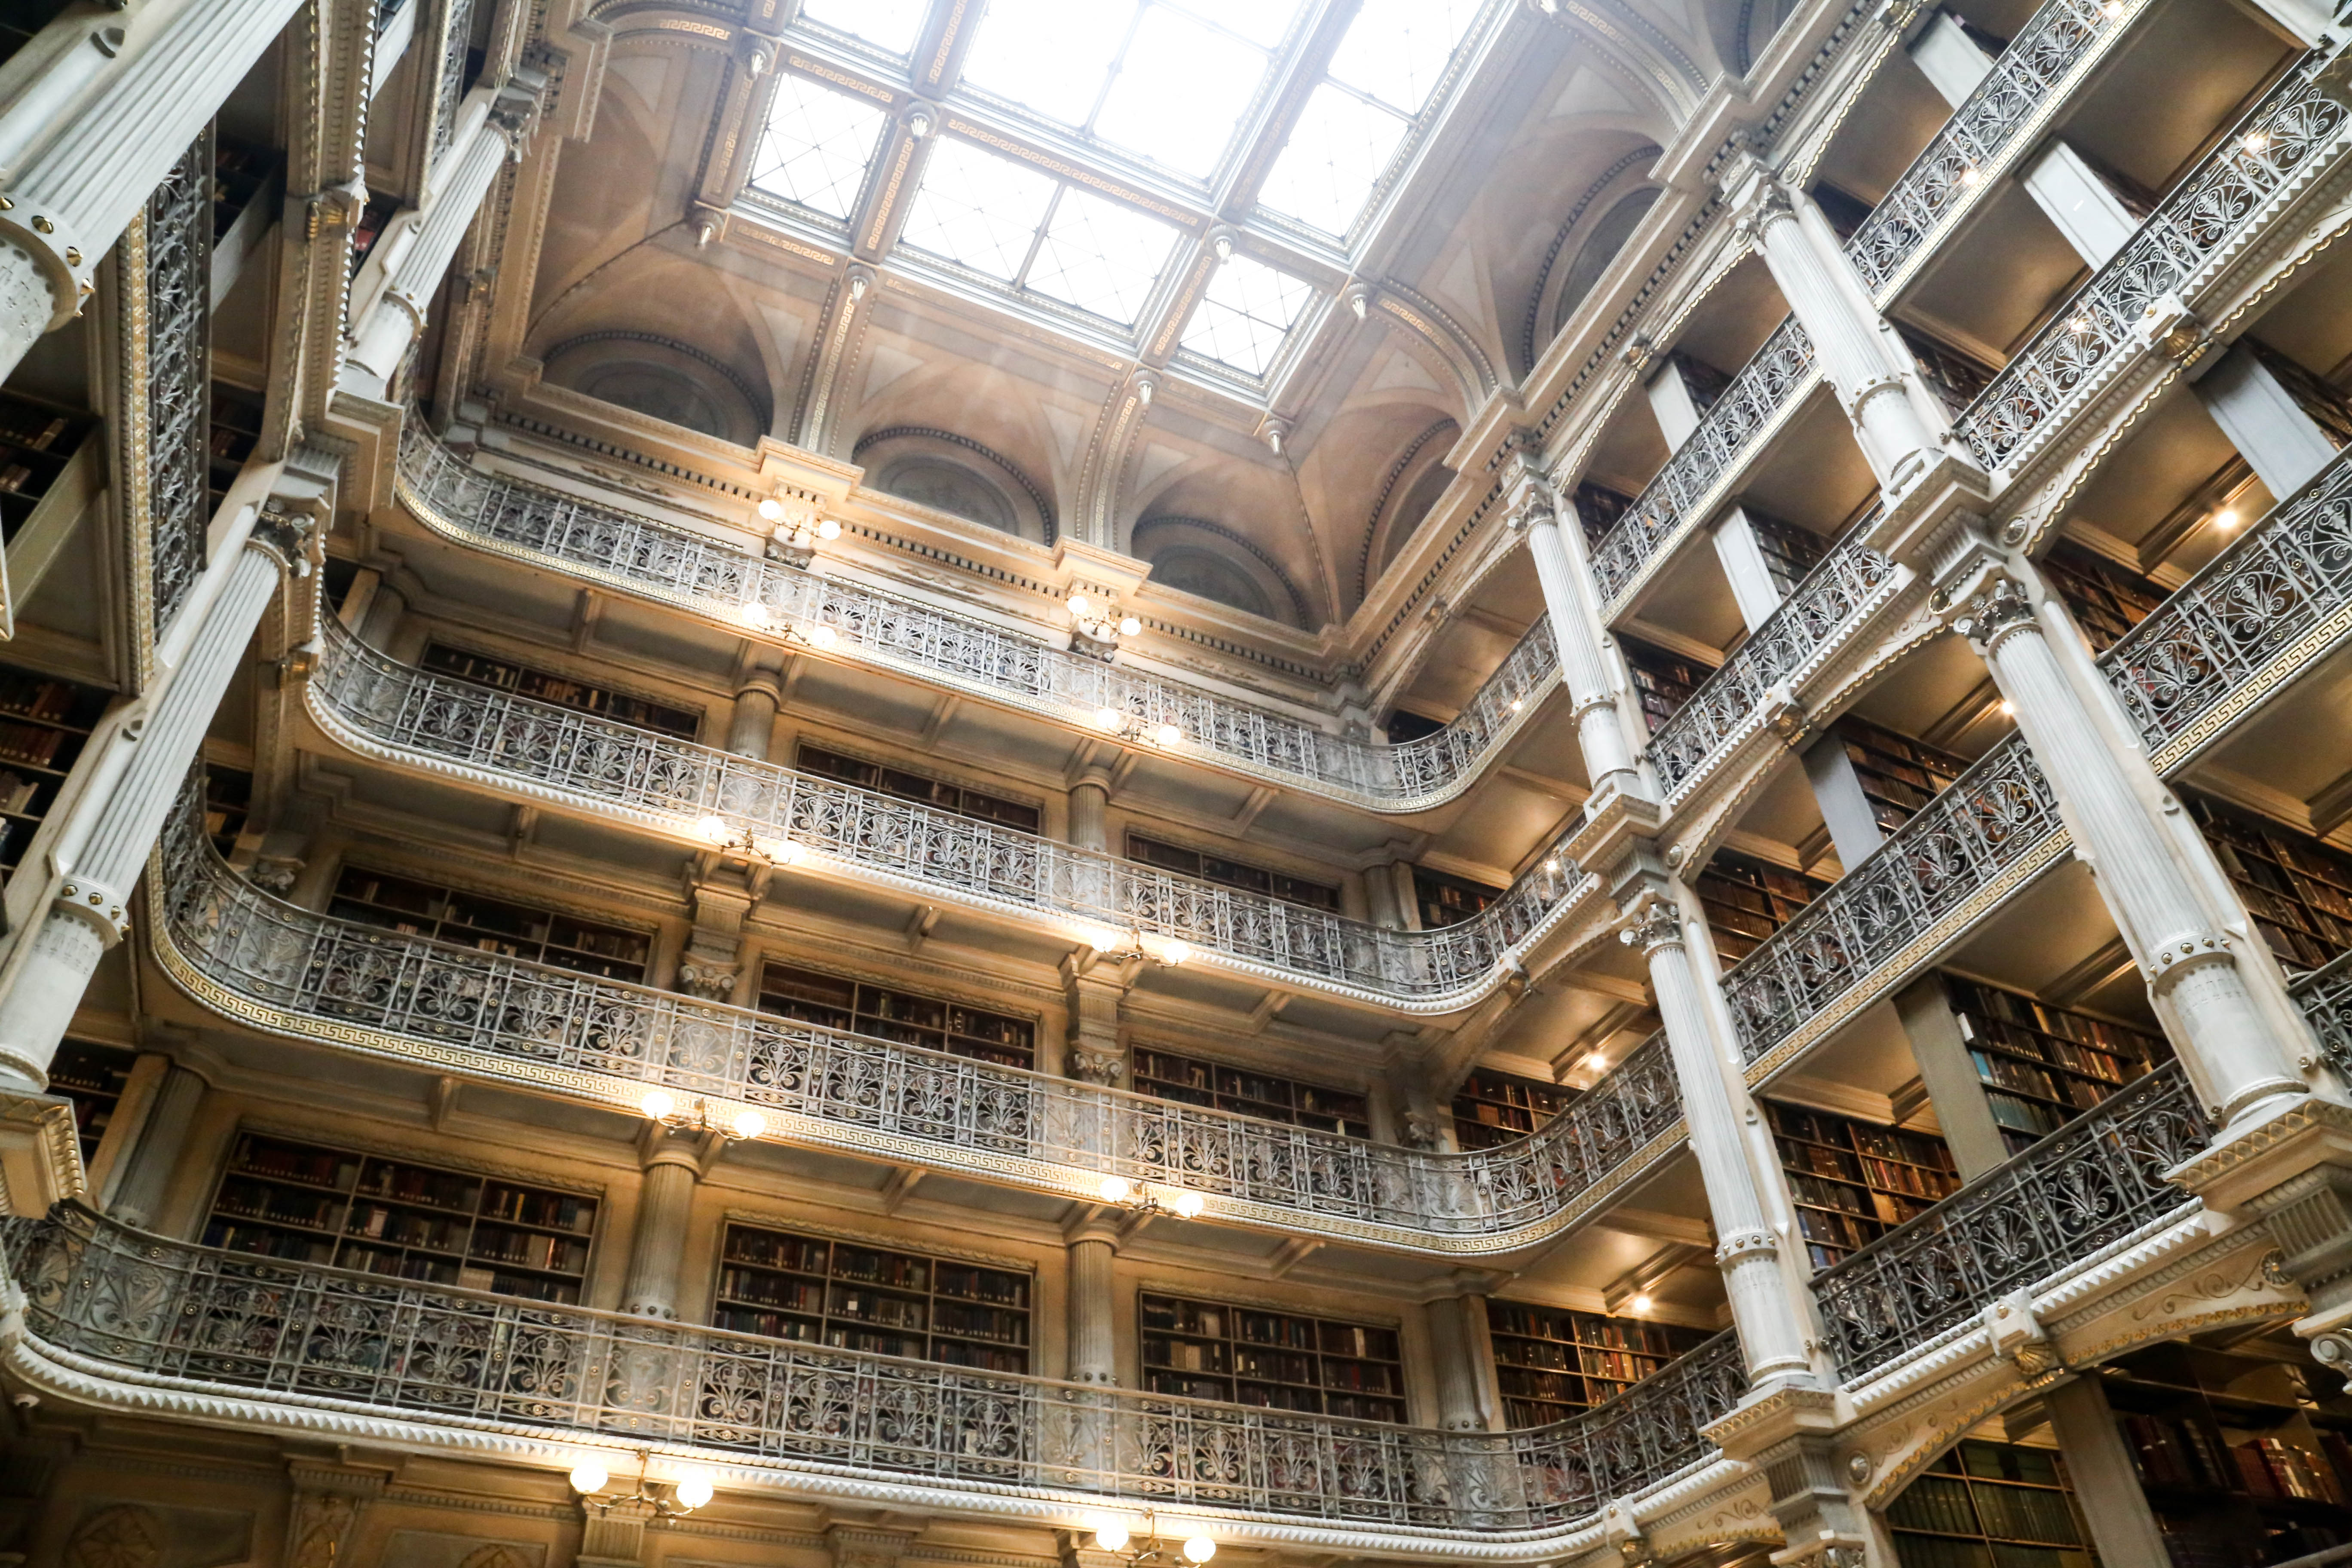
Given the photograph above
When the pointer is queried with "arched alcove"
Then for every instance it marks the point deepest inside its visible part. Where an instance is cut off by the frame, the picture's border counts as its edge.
(661, 379)
(1209, 561)
(1597, 251)
(950, 473)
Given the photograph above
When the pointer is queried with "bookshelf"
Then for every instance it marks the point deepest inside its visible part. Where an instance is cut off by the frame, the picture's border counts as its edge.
(2298, 890)
(907, 1017)
(2043, 1065)
(500, 675)
(1662, 681)
(1251, 1356)
(1445, 900)
(1953, 377)
(1986, 1503)
(848, 1296)
(235, 432)
(1226, 873)
(919, 788)
(316, 1203)
(1404, 725)
(92, 1076)
(1854, 1180)
(413, 908)
(37, 441)
(1493, 1108)
(2107, 600)
(1898, 774)
(1551, 1361)
(21, 21)
(240, 170)
(43, 724)
(229, 801)
(2244, 1455)
(1164, 1075)
(1746, 899)
(1790, 551)
(1598, 509)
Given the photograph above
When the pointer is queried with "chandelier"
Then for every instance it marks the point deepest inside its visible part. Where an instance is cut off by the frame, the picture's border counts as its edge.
(1117, 1534)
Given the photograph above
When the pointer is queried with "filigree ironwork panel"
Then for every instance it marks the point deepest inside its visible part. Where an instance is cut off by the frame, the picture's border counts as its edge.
(178, 286)
(178, 1313)
(721, 579)
(458, 46)
(1824, 607)
(2093, 1182)
(1754, 396)
(1932, 865)
(301, 965)
(2326, 998)
(2028, 74)
(2274, 143)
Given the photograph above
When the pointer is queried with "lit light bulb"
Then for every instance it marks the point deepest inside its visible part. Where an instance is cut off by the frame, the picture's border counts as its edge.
(750, 1124)
(714, 828)
(588, 1478)
(1175, 952)
(771, 510)
(1551, 867)
(2008, 709)
(658, 1103)
(822, 636)
(1596, 1061)
(1081, 607)
(1518, 703)
(694, 1492)
(2226, 519)
(828, 528)
(1111, 1532)
(1128, 625)
(1108, 719)
(1188, 1204)
(755, 614)
(1199, 1549)
(1972, 177)
(1117, 1189)
(2257, 142)
(782, 851)
(1170, 734)
(1642, 1302)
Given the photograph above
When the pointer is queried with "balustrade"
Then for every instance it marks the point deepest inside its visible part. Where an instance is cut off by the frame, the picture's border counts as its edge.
(2326, 998)
(178, 1314)
(1768, 384)
(312, 975)
(2276, 142)
(2030, 75)
(714, 578)
(2094, 1181)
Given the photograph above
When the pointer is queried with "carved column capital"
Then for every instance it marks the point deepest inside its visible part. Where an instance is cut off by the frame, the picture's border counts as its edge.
(1995, 613)
(1652, 924)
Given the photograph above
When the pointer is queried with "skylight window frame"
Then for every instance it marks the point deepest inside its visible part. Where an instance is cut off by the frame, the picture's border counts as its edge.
(762, 108)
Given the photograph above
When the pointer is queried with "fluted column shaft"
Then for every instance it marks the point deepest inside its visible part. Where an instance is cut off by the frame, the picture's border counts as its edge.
(379, 343)
(2220, 1030)
(1089, 812)
(1607, 757)
(664, 1202)
(75, 194)
(1093, 1351)
(1453, 1335)
(752, 727)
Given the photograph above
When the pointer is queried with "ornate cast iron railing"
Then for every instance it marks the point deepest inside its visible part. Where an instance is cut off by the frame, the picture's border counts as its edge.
(1985, 127)
(720, 580)
(1928, 871)
(1831, 600)
(214, 1322)
(2274, 597)
(2275, 144)
(177, 349)
(2326, 998)
(383, 706)
(298, 971)
(2093, 1182)
(1756, 396)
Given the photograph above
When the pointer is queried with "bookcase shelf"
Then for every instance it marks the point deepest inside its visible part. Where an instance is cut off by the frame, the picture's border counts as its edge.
(44, 723)
(2298, 890)
(1745, 901)
(1790, 551)
(236, 431)
(1898, 774)
(1663, 681)
(1493, 1108)
(2107, 600)
(492, 925)
(500, 675)
(1983, 1503)
(920, 788)
(1854, 1180)
(1551, 1361)
(1251, 1355)
(2043, 1065)
(92, 1076)
(1445, 900)
(38, 442)
(814, 1291)
(1193, 1080)
(1227, 873)
(315, 1204)
(908, 1018)
(228, 801)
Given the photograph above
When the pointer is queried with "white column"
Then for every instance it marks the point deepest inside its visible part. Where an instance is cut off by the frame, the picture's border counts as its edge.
(91, 912)
(2220, 1033)
(1454, 1322)
(2283, 446)
(1607, 757)
(752, 727)
(147, 1184)
(1753, 587)
(2106, 1482)
(1747, 1250)
(1094, 1350)
(1089, 803)
(1950, 60)
(1845, 810)
(1950, 1074)
(656, 1249)
(1671, 400)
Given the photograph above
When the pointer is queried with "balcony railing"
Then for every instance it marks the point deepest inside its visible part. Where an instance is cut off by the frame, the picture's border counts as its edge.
(384, 708)
(295, 972)
(1834, 597)
(2266, 606)
(720, 580)
(326, 1340)
(1989, 125)
(2093, 1181)
(1765, 387)
(2282, 140)
(1930, 877)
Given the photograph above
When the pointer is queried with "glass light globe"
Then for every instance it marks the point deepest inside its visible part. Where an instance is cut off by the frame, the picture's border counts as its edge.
(750, 1124)
(658, 1103)
(694, 1492)
(1129, 626)
(1112, 1535)
(828, 528)
(1175, 952)
(588, 1478)
(1117, 1189)
(714, 828)
(771, 510)
(1199, 1549)
(822, 636)
(1108, 719)
(1187, 1205)
(755, 614)
(1170, 734)
(1080, 605)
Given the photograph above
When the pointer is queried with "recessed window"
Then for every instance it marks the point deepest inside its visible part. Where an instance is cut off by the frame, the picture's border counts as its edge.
(1246, 313)
(892, 25)
(817, 146)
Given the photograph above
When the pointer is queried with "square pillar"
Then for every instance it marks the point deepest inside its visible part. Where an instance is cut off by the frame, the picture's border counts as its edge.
(2265, 421)
(2106, 1483)
(2077, 198)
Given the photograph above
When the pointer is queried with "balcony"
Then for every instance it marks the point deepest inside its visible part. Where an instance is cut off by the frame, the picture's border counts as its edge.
(291, 971)
(342, 1352)
(735, 587)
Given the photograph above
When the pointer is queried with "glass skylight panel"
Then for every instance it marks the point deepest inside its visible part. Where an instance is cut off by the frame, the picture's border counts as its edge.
(1050, 56)
(1262, 22)
(816, 146)
(1181, 87)
(1339, 148)
(891, 24)
(978, 210)
(1396, 49)
(1101, 256)
(1244, 314)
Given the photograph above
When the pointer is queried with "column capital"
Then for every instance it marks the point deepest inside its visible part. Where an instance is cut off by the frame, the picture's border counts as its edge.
(1996, 611)
(1652, 923)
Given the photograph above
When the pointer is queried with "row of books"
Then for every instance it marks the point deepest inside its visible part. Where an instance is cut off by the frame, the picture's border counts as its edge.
(1948, 1505)
(31, 744)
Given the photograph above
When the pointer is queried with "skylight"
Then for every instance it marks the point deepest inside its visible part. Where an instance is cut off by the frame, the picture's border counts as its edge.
(891, 24)
(1169, 80)
(1012, 223)
(1246, 313)
(816, 147)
